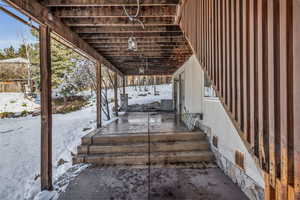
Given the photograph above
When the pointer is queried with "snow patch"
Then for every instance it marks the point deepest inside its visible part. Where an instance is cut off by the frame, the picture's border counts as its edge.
(16, 102)
(20, 143)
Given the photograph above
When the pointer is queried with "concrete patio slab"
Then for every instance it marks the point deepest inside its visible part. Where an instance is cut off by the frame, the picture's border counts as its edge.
(167, 183)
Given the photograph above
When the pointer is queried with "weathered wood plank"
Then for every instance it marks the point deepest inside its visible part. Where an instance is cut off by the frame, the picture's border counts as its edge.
(92, 22)
(239, 64)
(101, 3)
(261, 93)
(139, 39)
(112, 12)
(296, 93)
(226, 15)
(125, 29)
(233, 59)
(271, 106)
(46, 109)
(283, 89)
(229, 56)
(127, 35)
(252, 72)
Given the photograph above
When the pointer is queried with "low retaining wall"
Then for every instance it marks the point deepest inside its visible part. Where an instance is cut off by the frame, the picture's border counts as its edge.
(220, 124)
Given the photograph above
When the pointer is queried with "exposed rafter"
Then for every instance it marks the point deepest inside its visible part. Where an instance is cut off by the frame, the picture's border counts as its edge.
(110, 3)
(113, 12)
(101, 28)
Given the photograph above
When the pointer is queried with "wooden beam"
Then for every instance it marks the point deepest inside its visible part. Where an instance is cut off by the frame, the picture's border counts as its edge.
(46, 109)
(99, 94)
(42, 15)
(150, 60)
(127, 35)
(262, 93)
(143, 49)
(148, 52)
(101, 3)
(144, 40)
(239, 72)
(283, 98)
(140, 63)
(271, 106)
(150, 72)
(160, 67)
(112, 12)
(294, 21)
(153, 21)
(125, 29)
(124, 45)
(168, 56)
(233, 59)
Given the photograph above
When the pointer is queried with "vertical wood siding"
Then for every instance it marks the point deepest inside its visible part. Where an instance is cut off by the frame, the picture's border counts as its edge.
(251, 52)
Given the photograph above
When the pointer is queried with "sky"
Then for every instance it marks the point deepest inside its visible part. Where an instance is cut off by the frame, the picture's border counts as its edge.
(12, 31)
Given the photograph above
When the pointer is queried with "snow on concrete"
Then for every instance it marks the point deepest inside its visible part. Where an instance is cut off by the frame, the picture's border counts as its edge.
(20, 144)
(165, 92)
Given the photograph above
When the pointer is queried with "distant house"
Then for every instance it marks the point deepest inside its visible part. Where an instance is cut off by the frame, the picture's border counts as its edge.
(13, 75)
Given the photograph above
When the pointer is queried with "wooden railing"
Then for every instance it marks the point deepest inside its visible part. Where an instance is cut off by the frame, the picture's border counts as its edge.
(251, 52)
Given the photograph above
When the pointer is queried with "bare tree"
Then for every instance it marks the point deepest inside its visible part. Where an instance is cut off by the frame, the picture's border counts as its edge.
(29, 73)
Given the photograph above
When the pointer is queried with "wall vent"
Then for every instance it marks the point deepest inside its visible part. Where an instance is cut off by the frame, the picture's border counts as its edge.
(215, 141)
(239, 159)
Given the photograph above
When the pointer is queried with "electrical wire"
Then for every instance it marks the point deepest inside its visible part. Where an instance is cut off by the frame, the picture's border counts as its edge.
(135, 17)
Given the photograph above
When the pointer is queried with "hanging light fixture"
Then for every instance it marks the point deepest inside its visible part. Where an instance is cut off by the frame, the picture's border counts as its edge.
(142, 70)
(132, 44)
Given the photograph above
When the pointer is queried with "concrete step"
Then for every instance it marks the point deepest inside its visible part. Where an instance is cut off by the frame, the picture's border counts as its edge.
(143, 147)
(142, 158)
(143, 137)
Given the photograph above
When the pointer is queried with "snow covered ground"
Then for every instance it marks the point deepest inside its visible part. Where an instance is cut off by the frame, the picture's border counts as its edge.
(15, 102)
(20, 142)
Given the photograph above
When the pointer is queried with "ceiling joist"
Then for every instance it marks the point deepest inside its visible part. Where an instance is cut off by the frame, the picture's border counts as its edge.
(110, 3)
(101, 28)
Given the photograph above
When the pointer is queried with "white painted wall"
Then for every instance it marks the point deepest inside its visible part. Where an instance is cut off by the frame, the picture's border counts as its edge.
(194, 82)
(215, 118)
(229, 140)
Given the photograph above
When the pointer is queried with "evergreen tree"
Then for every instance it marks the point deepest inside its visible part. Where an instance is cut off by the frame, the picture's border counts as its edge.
(10, 52)
(2, 56)
(22, 51)
(63, 60)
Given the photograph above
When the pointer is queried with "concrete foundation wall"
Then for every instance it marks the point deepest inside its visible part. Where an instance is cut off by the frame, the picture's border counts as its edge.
(216, 122)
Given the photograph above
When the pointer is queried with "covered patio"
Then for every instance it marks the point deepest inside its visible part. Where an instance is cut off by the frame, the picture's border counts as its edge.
(119, 179)
(249, 51)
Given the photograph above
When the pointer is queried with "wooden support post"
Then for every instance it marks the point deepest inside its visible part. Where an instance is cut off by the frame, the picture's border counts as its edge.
(98, 94)
(116, 93)
(46, 109)
(124, 85)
